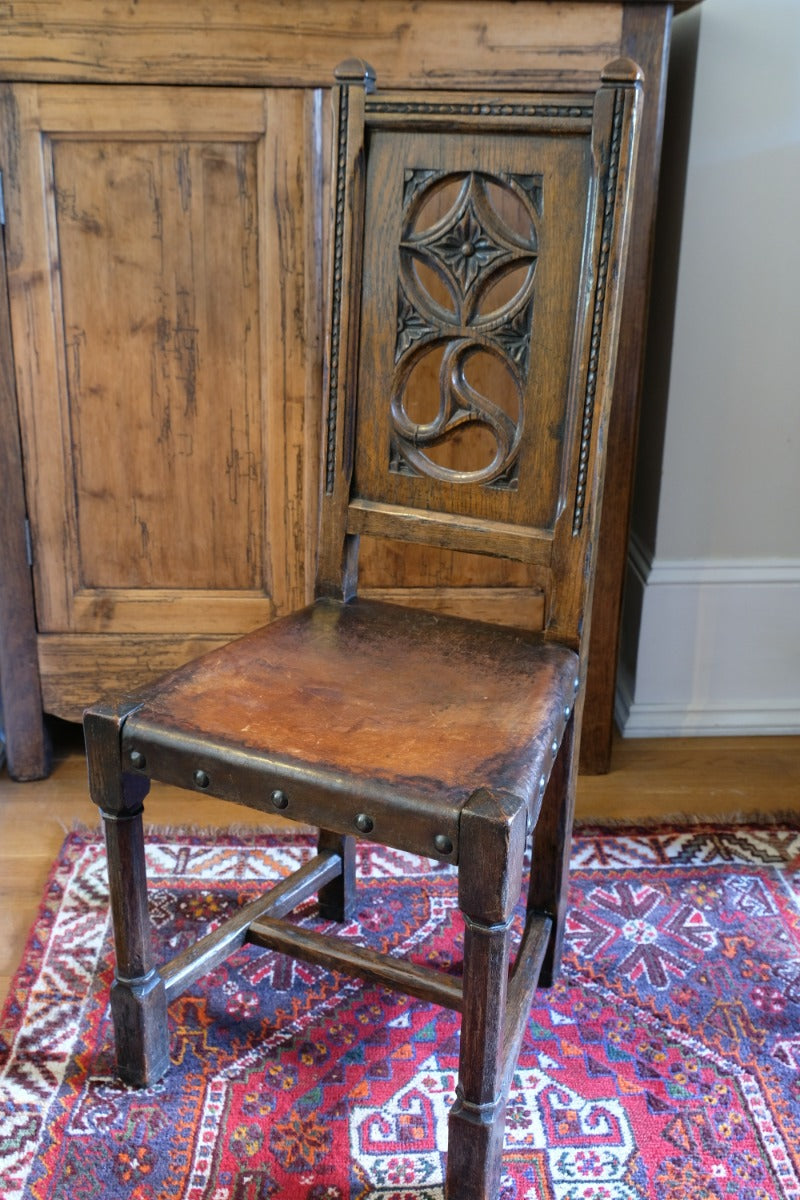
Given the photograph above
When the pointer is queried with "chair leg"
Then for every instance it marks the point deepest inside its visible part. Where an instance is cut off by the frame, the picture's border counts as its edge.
(337, 899)
(492, 844)
(552, 839)
(138, 996)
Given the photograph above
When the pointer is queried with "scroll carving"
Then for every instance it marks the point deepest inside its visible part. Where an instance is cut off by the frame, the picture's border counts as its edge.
(465, 291)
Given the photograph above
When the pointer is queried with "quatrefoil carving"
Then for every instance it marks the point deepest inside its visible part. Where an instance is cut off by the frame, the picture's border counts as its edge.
(465, 293)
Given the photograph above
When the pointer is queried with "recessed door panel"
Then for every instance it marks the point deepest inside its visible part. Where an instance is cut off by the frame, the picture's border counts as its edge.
(158, 248)
(163, 437)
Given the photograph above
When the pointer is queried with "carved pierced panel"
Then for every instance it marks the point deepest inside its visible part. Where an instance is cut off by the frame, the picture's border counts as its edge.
(468, 253)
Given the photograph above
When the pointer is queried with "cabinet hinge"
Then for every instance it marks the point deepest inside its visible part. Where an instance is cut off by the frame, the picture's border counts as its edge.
(2, 203)
(28, 542)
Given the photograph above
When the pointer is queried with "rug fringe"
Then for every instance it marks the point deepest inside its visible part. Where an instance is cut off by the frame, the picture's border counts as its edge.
(753, 819)
(241, 830)
(788, 818)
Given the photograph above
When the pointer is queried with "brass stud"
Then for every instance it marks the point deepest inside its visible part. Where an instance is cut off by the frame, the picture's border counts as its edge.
(138, 760)
(279, 799)
(576, 683)
(364, 824)
(554, 746)
(201, 779)
(567, 712)
(443, 844)
(542, 783)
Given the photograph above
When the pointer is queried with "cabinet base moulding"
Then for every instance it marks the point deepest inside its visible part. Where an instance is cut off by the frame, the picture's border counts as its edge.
(72, 665)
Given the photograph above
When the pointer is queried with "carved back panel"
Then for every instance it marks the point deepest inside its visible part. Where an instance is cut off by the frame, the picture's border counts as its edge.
(477, 260)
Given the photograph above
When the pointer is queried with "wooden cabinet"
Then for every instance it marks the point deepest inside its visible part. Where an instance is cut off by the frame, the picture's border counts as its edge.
(162, 382)
(165, 257)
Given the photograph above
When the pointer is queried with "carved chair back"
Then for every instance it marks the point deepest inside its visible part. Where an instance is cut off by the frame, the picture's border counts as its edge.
(476, 270)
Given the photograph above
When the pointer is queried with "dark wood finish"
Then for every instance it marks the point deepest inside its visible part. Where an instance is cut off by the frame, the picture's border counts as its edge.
(138, 995)
(27, 750)
(489, 881)
(486, 232)
(337, 899)
(444, 708)
(547, 893)
(231, 52)
(646, 36)
(197, 960)
(522, 985)
(407, 977)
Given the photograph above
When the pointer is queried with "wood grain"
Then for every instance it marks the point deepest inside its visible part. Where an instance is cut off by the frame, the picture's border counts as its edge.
(388, 563)
(122, 664)
(159, 278)
(645, 34)
(188, 509)
(203, 955)
(518, 608)
(138, 996)
(579, 158)
(134, 49)
(489, 880)
(20, 696)
(41, 370)
(291, 175)
(151, 342)
(468, 534)
(253, 43)
(407, 977)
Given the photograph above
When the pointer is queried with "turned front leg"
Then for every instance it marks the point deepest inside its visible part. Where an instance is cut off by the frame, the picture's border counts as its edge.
(138, 997)
(491, 848)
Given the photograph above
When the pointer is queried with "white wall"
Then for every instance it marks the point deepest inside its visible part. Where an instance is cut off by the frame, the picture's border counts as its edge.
(711, 635)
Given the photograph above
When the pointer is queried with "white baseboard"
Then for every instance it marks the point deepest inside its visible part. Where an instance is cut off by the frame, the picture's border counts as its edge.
(718, 647)
(653, 719)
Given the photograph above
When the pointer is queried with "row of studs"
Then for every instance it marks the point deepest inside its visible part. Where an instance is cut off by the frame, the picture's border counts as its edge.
(280, 801)
(554, 748)
(363, 822)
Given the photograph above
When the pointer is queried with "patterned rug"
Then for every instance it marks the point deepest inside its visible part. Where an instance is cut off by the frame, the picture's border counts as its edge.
(665, 1064)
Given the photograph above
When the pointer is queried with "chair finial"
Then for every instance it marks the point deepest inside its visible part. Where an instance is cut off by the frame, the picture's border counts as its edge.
(356, 71)
(622, 70)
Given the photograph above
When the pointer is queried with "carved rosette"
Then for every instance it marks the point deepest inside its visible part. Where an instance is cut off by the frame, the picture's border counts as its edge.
(452, 302)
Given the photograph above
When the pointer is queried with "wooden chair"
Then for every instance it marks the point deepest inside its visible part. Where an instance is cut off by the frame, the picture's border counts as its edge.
(476, 271)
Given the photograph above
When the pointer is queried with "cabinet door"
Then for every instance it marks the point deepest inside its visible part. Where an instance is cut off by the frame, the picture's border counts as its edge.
(163, 273)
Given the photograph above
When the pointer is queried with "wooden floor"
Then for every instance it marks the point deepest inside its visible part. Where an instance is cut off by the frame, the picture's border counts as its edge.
(648, 781)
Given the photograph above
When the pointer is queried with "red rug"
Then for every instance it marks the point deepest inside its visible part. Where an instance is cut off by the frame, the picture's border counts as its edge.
(665, 1064)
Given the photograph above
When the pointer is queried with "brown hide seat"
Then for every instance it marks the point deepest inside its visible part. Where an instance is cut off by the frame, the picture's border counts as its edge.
(403, 712)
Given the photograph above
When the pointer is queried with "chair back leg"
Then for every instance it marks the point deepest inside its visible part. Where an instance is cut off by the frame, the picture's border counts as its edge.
(337, 899)
(552, 840)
